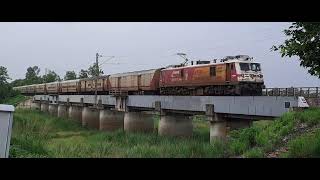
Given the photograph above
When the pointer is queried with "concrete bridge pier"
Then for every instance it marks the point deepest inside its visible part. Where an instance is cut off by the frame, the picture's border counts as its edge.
(35, 105)
(138, 122)
(53, 109)
(44, 107)
(174, 124)
(62, 111)
(218, 124)
(75, 113)
(111, 120)
(218, 130)
(90, 117)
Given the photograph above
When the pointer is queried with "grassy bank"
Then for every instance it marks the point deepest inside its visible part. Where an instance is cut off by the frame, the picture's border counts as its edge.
(36, 134)
(15, 100)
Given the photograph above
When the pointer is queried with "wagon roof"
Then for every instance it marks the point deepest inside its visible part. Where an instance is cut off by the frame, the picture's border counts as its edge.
(73, 80)
(134, 73)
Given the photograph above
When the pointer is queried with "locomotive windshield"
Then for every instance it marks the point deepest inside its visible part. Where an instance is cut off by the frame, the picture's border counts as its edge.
(250, 66)
(255, 66)
(244, 66)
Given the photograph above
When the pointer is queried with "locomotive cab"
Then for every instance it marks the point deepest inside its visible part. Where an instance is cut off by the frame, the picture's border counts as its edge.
(249, 72)
(249, 76)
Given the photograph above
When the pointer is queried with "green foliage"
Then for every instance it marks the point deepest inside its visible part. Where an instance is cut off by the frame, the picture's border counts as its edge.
(95, 70)
(254, 153)
(309, 116)
(4, 77)
(5, 88)
(15, 99)
(305, 146)
(51, 76)
(83, 74)
(32, 76)
(18, 82)
(70, 75)
(304, 42)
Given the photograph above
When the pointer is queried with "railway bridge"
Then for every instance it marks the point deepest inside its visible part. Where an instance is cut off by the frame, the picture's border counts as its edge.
(134, 113)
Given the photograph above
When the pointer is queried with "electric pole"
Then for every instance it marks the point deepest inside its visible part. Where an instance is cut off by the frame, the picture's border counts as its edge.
(96, 78)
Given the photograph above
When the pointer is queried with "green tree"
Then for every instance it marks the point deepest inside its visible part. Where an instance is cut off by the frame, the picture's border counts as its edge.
(51, 76)
(18, 82)
(70, 75)
(5, 88)
(4, 77)
(83, 74)
(32, 75)
(303, 41)
(94, 70)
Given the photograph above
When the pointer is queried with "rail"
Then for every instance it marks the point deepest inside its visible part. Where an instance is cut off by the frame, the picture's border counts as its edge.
(307, 92)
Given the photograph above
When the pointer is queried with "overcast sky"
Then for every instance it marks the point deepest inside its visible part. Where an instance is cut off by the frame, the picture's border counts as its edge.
(137, 46)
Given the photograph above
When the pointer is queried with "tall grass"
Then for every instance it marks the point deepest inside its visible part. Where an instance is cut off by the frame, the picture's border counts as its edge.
(36, 134)
(307, 145)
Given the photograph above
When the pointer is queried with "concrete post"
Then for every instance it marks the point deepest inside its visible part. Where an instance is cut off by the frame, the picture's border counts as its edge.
(111, 120)
(62, 111)
(44, 107)
(53, 109)
(218, 130)
(175, 125)
(138, 122)
(218, 124)
(75, 113)
(90, 117)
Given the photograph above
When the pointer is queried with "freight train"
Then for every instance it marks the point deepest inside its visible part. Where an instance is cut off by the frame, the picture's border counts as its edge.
(233, 75)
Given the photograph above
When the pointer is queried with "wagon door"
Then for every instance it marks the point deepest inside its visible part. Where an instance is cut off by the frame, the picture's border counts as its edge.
(119, 83)
(139, 82)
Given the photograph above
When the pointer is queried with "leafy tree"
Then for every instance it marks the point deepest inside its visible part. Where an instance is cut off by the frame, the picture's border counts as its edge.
(51, 76)
(32, 75)
(304, 42)
(5, 88)
(18, 82)
(93, 72)
(70, 75)
(4, 77)
(83, 74)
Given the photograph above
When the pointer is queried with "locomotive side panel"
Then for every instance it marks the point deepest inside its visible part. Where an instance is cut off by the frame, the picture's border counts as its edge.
(194, 76)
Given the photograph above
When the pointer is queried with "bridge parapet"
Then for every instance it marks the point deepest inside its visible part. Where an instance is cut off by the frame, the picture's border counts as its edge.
(271, 106)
